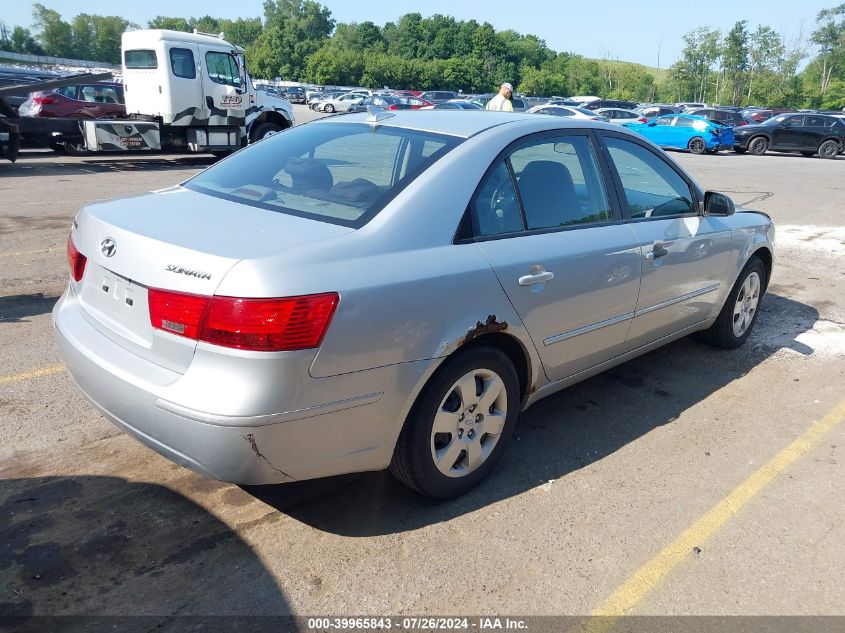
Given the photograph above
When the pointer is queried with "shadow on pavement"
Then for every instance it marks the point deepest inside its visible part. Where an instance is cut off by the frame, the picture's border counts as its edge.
(16, 308)
(50, 163)
(558, 435)
(105, 546)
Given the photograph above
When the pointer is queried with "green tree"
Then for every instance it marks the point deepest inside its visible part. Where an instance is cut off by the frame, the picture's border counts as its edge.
(829, 36)
(243, 31)
(54, 34)
(22, 41)
(171, 24)
(735, 60)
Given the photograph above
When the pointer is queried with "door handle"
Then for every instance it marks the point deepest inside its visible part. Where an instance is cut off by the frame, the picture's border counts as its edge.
(536, 278)
(658, 251)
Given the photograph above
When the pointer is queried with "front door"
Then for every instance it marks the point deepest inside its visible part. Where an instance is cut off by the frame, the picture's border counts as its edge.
(789, 133)
(684, 254)
(222, 82)
(570, 272)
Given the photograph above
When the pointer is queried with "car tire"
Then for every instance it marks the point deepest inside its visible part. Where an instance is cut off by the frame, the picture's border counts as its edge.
(758, 145)
(829, 149)
(740, 150)
(808, 154)
(736, 319)
(461, 437)
(266, 129)
(697, 145)
(329, 108)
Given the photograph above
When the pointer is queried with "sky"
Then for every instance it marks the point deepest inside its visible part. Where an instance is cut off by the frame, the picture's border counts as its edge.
(621, 29)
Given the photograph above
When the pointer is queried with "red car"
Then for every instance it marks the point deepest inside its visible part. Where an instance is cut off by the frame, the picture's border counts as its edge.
(85, 101)
(407, 93)
(415, 103)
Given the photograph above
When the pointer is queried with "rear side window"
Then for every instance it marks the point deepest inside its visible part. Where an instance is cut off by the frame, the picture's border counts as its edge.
(652, 188)
(559, 183)
(343, 173)
(140, 59)
(101, 94)
(495, 208)
(182, 63)
(684, 122)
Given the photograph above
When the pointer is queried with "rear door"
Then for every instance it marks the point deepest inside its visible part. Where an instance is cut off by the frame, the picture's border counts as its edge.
(685, 255)
(568, 265)
(815, 131)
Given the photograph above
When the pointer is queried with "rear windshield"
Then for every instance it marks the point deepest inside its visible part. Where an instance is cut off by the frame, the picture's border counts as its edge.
(140, 59)
(343, 173)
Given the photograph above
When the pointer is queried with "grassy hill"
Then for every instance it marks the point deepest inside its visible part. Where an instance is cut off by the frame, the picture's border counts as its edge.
(659, 74)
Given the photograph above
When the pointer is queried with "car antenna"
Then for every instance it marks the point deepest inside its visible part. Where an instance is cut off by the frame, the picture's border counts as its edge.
(377, 114)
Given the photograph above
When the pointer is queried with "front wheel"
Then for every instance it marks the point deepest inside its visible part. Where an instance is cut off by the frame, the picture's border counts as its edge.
(697, 145)
(829, 149)
(329, 108)
(758, 146)
(265, 130)
(459, 425)
(734, 323)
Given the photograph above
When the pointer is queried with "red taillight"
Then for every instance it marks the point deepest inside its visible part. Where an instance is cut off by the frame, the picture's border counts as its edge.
(268, 325)
(177, 312)
(75, 260)
(43, 100)
(392, 107)
(642, 119)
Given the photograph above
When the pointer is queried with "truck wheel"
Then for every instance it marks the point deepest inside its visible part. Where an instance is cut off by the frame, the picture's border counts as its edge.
(76, 149)
(265, 130)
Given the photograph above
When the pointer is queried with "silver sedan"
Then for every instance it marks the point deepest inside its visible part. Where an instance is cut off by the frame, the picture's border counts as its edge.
(393, 289)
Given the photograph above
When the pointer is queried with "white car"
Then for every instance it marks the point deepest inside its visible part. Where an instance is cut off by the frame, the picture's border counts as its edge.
(568, 111)
(620, 115)
(339, 104)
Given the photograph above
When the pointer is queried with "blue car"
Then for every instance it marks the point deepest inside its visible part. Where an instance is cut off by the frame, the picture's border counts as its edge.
(686, 131)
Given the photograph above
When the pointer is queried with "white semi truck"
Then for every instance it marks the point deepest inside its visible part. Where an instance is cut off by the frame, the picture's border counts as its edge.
(184, 92)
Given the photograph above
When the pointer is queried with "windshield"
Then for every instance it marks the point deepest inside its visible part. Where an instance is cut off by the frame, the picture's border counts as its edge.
(343, 173)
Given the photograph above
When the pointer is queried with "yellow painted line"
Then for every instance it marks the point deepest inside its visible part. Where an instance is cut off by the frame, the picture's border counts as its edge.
(650, 575)
(29, 375)
(40, 251)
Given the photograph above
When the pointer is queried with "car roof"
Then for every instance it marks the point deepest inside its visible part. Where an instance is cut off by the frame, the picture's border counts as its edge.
(463, 124)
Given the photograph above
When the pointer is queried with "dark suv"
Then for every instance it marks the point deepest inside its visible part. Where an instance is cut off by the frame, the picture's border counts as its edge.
(806, 133)
(295, 94)
(725, 117)
(438, 96)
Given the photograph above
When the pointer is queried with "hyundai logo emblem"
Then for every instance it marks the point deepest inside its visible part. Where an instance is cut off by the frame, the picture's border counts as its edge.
(108, 247)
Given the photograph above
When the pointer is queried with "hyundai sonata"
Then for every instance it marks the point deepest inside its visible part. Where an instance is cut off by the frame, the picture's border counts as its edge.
(392, 289)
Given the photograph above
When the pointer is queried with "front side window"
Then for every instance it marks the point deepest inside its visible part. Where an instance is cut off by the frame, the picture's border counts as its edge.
(182, 63)
(559, 183)
(222, 69)
(652, 188)
(794, 121)
(664, 120)
(139, 59)
(343, 173)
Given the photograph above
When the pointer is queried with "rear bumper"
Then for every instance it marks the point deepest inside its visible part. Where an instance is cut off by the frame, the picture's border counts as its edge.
(343, 435)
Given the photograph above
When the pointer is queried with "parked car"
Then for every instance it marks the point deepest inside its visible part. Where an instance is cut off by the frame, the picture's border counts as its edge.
(806, 133)
(618, 115)
(725, 117)
(415, 102)
(654, 110)
(295, 94)
(754, 115)
(611, 103)
(14, 76)
(85, 101)
(407, 93)
(567, 111)
(690, 105)
(685, 131)
(330, 331)
(438, 96)
(338, 104)
(381, 101)
(457, 104)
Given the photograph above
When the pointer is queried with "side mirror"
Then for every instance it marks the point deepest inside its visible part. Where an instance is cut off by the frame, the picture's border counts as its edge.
(718, 204)
(652, 123)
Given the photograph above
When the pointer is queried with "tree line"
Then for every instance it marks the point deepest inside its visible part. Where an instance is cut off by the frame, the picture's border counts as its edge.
(299, 40)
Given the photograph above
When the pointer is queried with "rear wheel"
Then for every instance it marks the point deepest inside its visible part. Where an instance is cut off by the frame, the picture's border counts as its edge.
(697, 145)
(758, 146)
(460, 424)
(829, 149)
(735, 321)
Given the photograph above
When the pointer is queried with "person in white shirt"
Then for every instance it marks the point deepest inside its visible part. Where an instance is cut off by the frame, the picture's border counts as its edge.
(502, 101)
